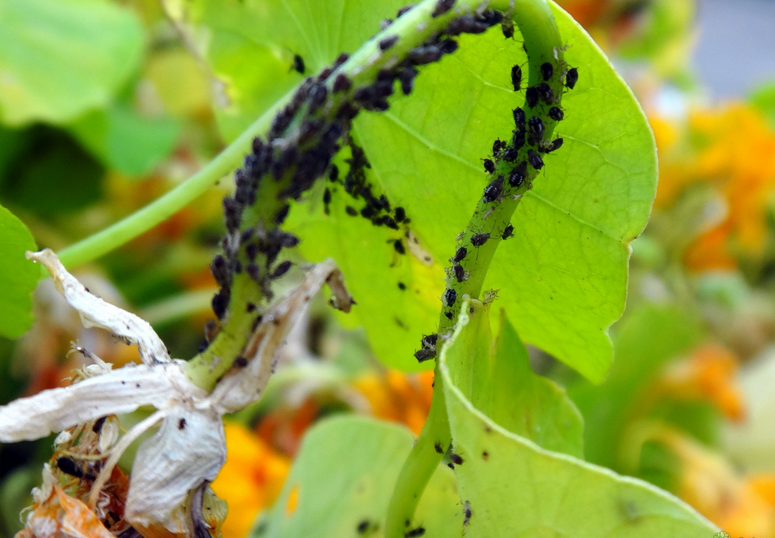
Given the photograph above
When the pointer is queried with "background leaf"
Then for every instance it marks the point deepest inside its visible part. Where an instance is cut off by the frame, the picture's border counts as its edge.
(516, 488)
(59, 58)
(18, 276)
(344, 475)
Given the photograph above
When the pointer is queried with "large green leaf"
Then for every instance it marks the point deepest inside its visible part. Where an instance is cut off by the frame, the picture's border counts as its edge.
(563, 278)
(515, 488)
(343, 478)
(18, 276)
(59, 58)
(498, 380)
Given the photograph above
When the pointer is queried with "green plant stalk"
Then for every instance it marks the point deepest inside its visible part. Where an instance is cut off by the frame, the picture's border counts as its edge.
(362, 68)
(543, 44)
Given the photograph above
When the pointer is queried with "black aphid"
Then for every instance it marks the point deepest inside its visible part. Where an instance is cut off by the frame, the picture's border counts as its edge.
(388, 42)
(467, 513)
(342, 58)
(99, 423)
(419, 531)
(253, 271)
(327, 196)
(406, 76)
(572, 77)
(298, 63)
(507, 27)
(553, 145)
(399, 246)
(424, 55)
(281, 269)
(519, 118)
(341, 83)
(508, 232)
(547, 70)
(441, 7)
(519, 139)
(531, 97)
(317, 96)
(449, 315)
(240, 362)
(545, 93)
(450, 296)
(460, 273)
(399, 214)
(448, 46)
(478, 240)
(489, 166)
(556, 114)
(460, 254)
(402, 286)
(384, 24)
(535, 159)
(430, 340)
(251, 251)
(220, 270)
(496, 147)
(350, 210)
(518, 174)
(404, 10)
(389, 222)
(493, 190)
(437, 447)
(182, 424)
(424, 354)
(282, 214)
(516, 77)
(509, 155)
(466, 24)
(456, 459)
(363, 526)
(232, 213)
(490, 17)
(220, 302)
(68, 466)
(536, 126)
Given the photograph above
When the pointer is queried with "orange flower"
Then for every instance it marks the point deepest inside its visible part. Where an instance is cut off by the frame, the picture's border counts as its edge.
(250, 480)
(399, 397)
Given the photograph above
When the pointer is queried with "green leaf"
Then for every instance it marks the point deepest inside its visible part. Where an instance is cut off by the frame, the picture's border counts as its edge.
(124, 140)
(562, 279)
(17, 274)
(669, 332)
(497, 377)
(516, 488)
(344, 475)
(59, 58)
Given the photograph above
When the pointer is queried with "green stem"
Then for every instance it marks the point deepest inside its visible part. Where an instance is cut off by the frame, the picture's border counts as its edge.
(543, 44)
(170, 203)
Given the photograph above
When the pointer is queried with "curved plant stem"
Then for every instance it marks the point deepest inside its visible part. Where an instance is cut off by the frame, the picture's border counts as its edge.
(170, 203)
(543, 44)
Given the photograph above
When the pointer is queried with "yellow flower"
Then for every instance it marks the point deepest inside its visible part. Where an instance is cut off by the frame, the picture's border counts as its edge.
(250, 480)
(399, 397)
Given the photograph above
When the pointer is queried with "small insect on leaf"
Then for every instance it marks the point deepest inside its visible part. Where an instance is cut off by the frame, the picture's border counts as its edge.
(516, 77)
(531, 97)
(460, 254)
(478, 240)
(556, 114)
(547, 70)
(489, 166)
(572, 77)
(298, 64)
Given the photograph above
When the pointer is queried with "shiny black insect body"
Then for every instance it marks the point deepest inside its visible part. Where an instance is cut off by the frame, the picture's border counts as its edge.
(516, 77)
(460, 254)
(531, 96)
(519, 118)
(441, 7)
(388, 42)
(508, 232)
(489, 166)
(556, 114)
(518, 174)
(547, 70)
(460, 273)
(399, 246)
(536, 126)
(493, 190)
(298, 64)
(535, 159)
(519, 139)
(572, 77)
(414, 533)
(545, 93)
(456, 459)
(450, 296)
(478, 240)
(281, 269)
(509, 155)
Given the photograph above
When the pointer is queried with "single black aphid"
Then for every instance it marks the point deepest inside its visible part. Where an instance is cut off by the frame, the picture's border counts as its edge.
(388, 42)
(240, 362)
(556, 114)
(493, 190)
(327, 196)
(489, 166)
(424, 354)
(68, 466)
(399, 246)
(572, 78)
(363, 526)
(531, 97)
(430, 340)
(496, 147)
(253, 271)
(449, 315)
(478, 240)
(553, 145)
(467, 513)
(545, 93)
(547, 70)
(341, 83)
(519, 139)
(333, 173)
(419, 531)
(448, 46)
(317, 96)
(490, 17)
(399, 214)
(535, 159)
(516, 77)
(437, 447)
(100, 422)
(536, 126)
(424, 55)
(460, 273)
(519, 118)
(406, 77)
(389, 222)
(456, 459)
(281, 269)
(450, 296)
(232, 213)
(402, 286)
(460, 254)
(507, 27)
(220, 270)
(441, 7)
(350, 210)
(509, 155)
(508, 232)
(298, 64)
(342, 58)
(220, 302)
(282, 214)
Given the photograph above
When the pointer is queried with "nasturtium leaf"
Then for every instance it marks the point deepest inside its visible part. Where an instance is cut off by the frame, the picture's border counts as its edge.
(125, 141)
(18, 276)
(496, 376)
(516, 488)
(344, 475)
(563, 277)
(60, 58)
